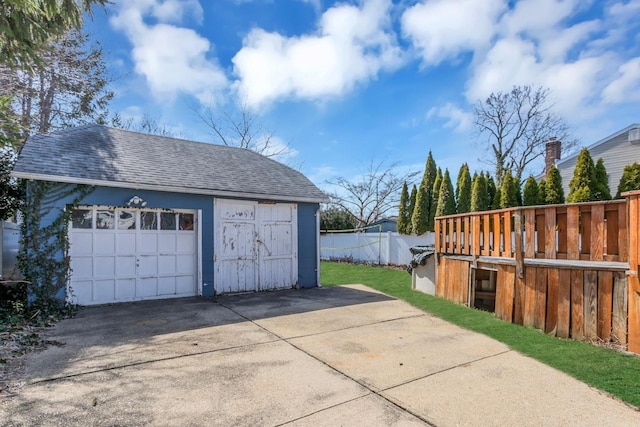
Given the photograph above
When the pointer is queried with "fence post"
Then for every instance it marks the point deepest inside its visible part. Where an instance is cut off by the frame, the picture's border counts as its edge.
(517, 228)
(633, 209)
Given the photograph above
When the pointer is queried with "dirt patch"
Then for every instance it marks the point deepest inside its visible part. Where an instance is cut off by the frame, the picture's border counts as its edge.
(16, 342)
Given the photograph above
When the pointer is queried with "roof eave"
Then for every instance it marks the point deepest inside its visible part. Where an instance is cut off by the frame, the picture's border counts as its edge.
(172, 189)
(598, 143)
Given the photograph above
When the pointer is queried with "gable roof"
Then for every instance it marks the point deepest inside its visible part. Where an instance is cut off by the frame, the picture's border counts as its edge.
(104, 156)
(598, 143)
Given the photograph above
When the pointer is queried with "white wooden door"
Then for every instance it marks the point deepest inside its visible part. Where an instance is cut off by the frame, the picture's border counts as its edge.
(256, 246)
(120, 255)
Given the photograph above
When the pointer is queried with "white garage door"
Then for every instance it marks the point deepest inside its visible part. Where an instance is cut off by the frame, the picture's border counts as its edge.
(122, 255)
(256, 246)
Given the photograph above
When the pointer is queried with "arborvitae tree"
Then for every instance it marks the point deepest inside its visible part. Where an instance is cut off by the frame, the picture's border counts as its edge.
(420, 212)
(582, 185)
(602, 191)
(404, 218)
(412, 206)
(554, 194)
(492, 192)
(428, 180)
(630, 179)
(435, 192)
(463, 190)
(542, 192)
(509, 191)
(479, 196)
(531, 192)
(446, 197)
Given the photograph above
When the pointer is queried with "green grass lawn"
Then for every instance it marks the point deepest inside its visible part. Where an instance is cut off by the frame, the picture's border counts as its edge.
(605, 369)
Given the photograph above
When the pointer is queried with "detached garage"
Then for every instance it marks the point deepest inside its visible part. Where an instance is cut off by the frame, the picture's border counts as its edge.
(162, 217)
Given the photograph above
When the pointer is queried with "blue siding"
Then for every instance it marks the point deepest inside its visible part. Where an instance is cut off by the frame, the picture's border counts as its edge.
(307, 233)
(307, 245)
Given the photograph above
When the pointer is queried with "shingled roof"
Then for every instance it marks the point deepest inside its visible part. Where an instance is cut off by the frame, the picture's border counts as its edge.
(100, 155)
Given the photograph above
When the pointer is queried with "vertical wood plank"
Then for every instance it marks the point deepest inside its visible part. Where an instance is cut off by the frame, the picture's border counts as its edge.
(597, 232)
(619, 315)
(518, 255)
(467, 235)
(507, 235)
(633, 282)
(518, 302)
(438, 236)
(550, 233)
(450, 230)
(530, 230)
(495, 250)
(551, 323)
(590, 304)
(464, 284)
(476, 230)
(612, 232)
(506, 280)
(585, 225)
(458, 231)
(573, 232)
(451, 278)
(442, 274)
(577, 304)
(499, 309)
(486, 250)
(564, 303)
(529, 297)
(605, 304)
(541, 298)
(540, 231)
(623, 247)
(562, 232)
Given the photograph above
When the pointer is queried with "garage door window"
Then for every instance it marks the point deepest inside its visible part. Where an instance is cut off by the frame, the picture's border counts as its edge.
(186, 221)
(148, 220)
(126, 220)
(82, 218)
(105, 220)
(167, 221)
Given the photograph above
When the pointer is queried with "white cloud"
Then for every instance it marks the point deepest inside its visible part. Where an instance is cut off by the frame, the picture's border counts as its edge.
(455, 117)
(172, 59)
(442, 29)
(626, 87)
(352, 45)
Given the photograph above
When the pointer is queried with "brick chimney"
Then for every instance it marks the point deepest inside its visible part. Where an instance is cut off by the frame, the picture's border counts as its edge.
(552, 153)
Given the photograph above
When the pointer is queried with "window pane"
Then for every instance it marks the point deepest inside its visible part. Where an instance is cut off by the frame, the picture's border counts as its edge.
(104, 220)
(167, 221)
(81, 218)
(186, 221)
(148, 220)
(126, 220)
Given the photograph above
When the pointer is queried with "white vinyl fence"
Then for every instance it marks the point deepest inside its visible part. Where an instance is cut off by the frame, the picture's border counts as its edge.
(385, 248)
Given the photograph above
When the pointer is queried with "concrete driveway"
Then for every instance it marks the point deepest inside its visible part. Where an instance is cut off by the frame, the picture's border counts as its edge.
(331, 356)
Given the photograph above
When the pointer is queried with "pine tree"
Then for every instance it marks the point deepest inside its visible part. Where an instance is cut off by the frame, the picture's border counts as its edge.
(435, 191)
(492, 191)
(602, 191)
(630, 179)
(542, 192)
(403, 210)
(446, 197)
(463, 190)
(412, 206)
(554, 194)
(582, 185)
(531, 192)
(509, 191)
(428, 180)
(420, 212)
(479, 196)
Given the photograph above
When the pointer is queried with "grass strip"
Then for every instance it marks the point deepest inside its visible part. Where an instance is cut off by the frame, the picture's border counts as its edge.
(608, 370)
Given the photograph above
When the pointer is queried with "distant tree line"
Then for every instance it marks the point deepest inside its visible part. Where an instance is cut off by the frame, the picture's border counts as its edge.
(436, 197)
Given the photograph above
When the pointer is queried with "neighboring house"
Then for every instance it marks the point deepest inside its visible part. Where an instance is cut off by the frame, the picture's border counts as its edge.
(384, 225)
(617, 150)
(171, 218)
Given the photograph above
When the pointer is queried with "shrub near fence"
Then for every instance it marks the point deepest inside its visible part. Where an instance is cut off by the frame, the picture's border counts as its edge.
(372, 248)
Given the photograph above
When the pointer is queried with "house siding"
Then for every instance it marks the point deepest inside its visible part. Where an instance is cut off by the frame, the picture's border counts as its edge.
(113, 196)
(307, 245)
(616, 153)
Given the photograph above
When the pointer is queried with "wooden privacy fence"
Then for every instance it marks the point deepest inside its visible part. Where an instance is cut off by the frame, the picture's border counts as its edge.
(570, 270)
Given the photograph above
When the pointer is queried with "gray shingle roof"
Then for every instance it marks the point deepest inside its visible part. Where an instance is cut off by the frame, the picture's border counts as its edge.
(101, 155)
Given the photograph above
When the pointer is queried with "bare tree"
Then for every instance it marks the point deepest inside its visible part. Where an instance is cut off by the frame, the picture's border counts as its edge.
(516, 125)
(144, 124)
(371, 196)
(242, 128)
(68, 88)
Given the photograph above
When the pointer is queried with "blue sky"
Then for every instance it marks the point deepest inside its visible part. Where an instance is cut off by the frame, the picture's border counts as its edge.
(350, 83)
